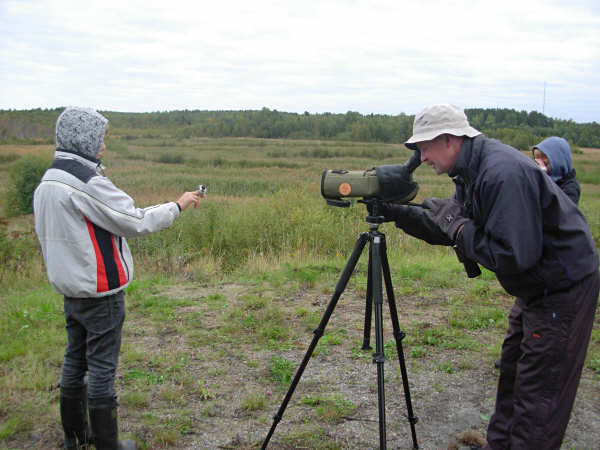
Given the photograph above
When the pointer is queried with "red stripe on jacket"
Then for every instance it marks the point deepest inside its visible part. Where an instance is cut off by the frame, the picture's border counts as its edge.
(101, 279)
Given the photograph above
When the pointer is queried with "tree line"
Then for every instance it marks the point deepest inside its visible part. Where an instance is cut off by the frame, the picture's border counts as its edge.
(520, 129)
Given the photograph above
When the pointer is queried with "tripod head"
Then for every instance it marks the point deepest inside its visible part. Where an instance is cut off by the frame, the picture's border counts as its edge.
(375, 209)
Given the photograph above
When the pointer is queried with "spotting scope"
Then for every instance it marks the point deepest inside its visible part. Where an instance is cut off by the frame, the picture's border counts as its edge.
(389, 183)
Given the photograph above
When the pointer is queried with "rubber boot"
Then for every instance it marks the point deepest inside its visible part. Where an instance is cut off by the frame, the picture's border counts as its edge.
(73, 415)
(103, 417)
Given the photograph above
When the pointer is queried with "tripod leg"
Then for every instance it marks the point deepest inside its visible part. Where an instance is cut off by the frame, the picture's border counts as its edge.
(398, 336)
(339, 288)
(379, 355)
(368, 309)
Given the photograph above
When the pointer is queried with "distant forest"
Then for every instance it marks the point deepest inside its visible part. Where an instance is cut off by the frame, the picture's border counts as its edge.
(520, 129)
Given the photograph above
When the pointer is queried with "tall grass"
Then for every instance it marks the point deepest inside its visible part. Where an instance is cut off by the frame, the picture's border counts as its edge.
(235, 231)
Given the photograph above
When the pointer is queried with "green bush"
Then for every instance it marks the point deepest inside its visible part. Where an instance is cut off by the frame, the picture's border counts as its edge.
(24, 176)
(8, 157)
(167, 158)
(281, 370)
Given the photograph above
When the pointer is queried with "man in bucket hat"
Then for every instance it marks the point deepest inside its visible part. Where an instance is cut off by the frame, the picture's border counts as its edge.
(511, 218)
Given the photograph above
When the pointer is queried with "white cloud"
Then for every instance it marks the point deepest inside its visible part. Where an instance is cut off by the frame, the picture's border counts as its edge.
(318, 55)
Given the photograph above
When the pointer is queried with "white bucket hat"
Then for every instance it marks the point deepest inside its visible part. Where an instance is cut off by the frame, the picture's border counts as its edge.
(440, 119)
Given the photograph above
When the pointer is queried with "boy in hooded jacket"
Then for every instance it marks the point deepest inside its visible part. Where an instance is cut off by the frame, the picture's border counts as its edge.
(82, 220)
(553, 155)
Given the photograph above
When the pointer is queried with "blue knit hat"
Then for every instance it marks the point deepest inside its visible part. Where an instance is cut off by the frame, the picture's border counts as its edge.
(81, 131)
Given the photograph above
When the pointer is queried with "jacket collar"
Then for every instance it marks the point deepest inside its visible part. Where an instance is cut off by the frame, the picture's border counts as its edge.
(88, 162)
(469, 157)
(89, 158)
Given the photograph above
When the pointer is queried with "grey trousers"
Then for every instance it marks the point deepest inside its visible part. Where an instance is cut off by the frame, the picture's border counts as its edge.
(93, 343)
(542, 359)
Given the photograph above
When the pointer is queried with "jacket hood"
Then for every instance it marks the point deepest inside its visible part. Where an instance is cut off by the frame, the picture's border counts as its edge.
(558, 152)
(80, 131)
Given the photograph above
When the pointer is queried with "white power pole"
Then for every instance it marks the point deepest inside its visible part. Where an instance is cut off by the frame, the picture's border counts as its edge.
(544, 102)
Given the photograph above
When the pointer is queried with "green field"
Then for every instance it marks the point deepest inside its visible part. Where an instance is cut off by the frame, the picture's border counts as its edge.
(224, 303)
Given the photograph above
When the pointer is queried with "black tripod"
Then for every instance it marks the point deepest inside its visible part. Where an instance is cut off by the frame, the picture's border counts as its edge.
(378, 262)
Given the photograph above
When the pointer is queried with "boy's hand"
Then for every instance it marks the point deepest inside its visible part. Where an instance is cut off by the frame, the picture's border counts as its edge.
(188, 198)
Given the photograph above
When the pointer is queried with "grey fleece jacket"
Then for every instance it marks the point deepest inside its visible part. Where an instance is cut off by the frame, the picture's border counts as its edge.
(82, 218)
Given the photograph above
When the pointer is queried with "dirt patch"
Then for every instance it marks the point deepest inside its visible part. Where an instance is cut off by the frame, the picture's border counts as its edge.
(445, 403)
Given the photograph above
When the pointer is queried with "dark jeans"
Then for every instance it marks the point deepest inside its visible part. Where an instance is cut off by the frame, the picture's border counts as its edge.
(542, 359)
(93, 343)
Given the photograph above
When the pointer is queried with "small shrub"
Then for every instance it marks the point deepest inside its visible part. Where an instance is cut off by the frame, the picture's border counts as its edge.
(446, 367)
(167, 158)
(24, 176)
(281, 370)
(8, 157)
(418, 352)
(254, 402)
(219, 161)
(334, 408)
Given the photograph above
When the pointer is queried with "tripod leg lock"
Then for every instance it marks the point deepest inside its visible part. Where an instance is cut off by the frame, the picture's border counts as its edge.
(401, 335)
(379, 357)
(319, 332)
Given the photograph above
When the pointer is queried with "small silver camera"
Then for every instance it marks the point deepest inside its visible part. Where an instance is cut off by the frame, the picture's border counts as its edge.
(201, 189)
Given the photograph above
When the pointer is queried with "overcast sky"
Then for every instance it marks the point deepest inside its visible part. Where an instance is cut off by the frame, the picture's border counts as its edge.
(370, 56)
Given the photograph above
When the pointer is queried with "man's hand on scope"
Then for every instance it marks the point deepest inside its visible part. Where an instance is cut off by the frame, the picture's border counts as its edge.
(446, 213)
(393, 211)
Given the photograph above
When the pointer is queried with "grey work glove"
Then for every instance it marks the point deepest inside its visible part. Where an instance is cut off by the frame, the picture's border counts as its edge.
(446, 213)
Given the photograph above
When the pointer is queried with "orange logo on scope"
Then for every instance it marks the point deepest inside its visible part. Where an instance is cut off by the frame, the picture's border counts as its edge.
(345, 189)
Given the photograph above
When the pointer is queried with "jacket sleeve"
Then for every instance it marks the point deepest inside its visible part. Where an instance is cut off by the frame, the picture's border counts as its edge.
(570, 186)
(112, 209)
(414, 221)
(507, 237)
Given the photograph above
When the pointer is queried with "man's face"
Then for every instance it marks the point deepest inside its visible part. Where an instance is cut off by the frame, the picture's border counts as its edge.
(441, 152)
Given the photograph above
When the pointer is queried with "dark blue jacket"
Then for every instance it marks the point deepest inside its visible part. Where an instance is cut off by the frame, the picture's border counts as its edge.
(523, 227)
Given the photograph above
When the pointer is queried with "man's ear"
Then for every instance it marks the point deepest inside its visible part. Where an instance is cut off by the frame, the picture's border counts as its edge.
(454, 141)
(448, 140)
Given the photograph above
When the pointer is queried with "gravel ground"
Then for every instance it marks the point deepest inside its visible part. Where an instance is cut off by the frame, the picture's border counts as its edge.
(446, 404)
